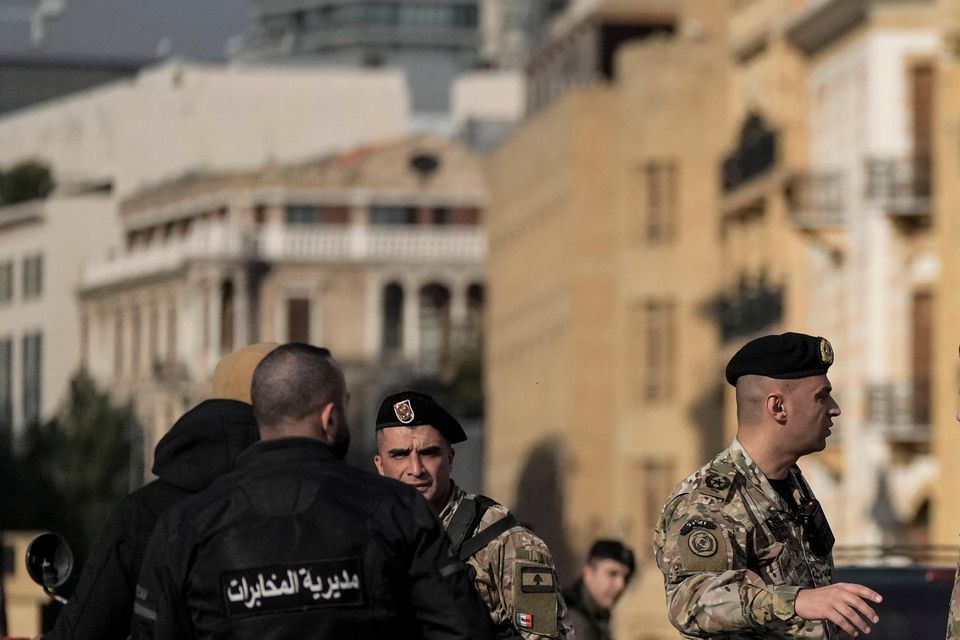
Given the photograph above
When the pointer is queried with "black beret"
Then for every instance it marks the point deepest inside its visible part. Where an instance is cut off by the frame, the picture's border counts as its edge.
(612, 550)
(412, 409)
(786, 356)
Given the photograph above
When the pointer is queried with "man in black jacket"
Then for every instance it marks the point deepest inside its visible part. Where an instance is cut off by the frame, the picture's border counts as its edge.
(202, 446)
(603, 579)
(297, 544)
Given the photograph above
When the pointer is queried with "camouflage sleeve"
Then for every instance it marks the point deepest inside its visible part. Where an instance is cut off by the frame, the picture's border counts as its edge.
(516, 577)
(700, 552)
(953, 618)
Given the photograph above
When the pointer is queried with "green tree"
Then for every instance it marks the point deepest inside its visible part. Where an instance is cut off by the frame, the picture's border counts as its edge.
(85, 454)
(27, 180)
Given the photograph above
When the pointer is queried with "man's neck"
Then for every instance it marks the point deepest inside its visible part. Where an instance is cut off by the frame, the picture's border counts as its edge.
(772, 463)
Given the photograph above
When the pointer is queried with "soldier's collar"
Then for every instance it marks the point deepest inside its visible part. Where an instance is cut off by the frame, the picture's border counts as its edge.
(746, 465)
(456, 497)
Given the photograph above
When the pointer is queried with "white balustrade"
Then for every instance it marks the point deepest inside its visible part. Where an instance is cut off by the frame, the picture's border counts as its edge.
(345, 244)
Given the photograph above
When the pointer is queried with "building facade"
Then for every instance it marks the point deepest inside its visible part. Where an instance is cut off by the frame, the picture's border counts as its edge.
(376, 253)
(808, 197)
(600, 336)
(42, 244)
(432, 41)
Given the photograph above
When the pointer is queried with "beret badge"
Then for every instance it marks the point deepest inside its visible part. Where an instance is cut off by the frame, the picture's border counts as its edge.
(826, 351)
(404, 411)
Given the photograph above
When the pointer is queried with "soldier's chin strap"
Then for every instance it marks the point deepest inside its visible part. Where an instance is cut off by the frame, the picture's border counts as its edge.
(466, 520)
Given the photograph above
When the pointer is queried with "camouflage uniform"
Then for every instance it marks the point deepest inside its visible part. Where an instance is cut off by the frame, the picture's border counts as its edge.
(733, 555)
(495, 567)
(953, 618)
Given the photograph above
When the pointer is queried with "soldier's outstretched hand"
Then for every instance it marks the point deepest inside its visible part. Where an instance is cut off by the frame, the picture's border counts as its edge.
(842, 603)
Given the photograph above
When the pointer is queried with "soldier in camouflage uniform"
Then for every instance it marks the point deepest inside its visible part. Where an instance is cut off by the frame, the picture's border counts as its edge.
(513, 569)
(744, 548)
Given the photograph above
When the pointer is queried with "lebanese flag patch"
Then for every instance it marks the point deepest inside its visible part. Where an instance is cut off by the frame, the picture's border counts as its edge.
(525, 620)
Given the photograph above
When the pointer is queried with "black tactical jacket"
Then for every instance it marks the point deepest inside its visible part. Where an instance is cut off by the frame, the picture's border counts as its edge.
(200, 447)
(297, 544)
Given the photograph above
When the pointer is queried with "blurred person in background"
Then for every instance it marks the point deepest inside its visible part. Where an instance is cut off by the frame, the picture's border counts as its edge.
(295, 543)
(603, 579)
(742, 543)
(200, 447)
(513, 569)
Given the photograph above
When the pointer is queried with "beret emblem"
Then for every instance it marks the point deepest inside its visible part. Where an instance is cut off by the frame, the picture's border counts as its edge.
(826, 351)
(404, 411)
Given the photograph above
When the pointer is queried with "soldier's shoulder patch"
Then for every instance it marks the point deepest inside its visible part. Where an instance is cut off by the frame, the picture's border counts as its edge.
(718, 481)
(703, 546)
(534, 598)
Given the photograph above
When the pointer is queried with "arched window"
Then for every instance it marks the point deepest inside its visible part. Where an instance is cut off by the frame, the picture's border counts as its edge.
(392, 339)
(434, 326)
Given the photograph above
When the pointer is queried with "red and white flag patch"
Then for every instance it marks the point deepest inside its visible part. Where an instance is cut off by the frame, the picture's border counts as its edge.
(524, 620)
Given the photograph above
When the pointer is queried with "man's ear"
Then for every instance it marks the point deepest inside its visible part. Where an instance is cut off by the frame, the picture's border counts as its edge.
(378, 462)
(326, 417)
(776, 407)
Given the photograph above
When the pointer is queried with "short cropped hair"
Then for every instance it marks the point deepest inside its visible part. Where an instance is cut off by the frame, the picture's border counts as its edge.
(293, 381)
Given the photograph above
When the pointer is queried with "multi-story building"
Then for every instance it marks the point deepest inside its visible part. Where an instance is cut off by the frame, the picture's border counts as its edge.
(946, 227)
(802, 201)
(603, 276)
(111, 141)
(42, 244)
(863, 205)
(431, 41)
(376, 253)
(180, 117)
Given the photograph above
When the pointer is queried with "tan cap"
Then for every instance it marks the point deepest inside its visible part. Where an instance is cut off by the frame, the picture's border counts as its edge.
(234, 373)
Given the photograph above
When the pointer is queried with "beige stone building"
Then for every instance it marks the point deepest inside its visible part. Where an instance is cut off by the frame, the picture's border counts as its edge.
(748, 167)
(376, 253)
(946, 431)
(602, 384)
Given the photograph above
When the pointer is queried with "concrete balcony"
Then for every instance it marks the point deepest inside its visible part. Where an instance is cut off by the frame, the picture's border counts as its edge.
(816, 200)
(901, 410)
(217, 242)
(356, 244)
(902, 187)
(372, 244)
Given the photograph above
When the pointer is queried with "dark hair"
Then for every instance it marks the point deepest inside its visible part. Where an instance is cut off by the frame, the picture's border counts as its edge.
(294, 380)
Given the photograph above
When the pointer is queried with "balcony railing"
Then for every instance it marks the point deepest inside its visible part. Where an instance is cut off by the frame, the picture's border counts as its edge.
(750, 311)
(755, 156)
(370, 243)
(212, 242)
(323, 244)
(901, 186)
(901, 410)
(816, 199)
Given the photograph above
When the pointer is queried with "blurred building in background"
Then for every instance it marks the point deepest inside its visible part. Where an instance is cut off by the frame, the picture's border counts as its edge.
(946, 225)
(439, 46)
(42, 245)
(692, 175)
(106, 143)
(376, 253)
